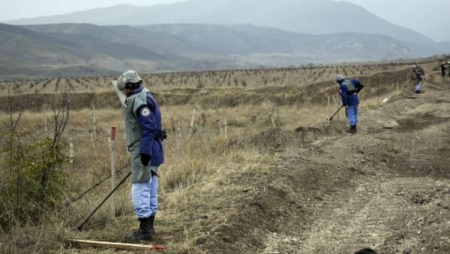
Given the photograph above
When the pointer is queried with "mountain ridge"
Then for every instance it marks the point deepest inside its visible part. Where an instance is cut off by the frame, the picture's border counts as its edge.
(186, 47)
(302, 16)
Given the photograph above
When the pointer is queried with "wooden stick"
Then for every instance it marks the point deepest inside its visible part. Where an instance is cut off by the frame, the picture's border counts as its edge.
(225, 128)
(94, 123)
(328, 105)
(114, 245)
(179, 136)
(191, 128)
(112, 139)
(175, 134)
(205, 127)
(45, 121)
(71, 148)
(218, 122)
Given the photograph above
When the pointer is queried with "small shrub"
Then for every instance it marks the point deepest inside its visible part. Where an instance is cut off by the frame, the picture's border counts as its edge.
(34, 182)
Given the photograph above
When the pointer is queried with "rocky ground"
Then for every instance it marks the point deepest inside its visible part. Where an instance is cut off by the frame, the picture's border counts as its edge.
(386, 187)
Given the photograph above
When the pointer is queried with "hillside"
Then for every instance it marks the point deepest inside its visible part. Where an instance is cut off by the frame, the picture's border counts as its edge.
(302, 16)
(74, 50)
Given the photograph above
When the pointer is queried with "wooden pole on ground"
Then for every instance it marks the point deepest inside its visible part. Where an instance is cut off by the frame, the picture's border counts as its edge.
(175, 134)
(114, 245)
(94, 123)
(218, 122)
(225, 128)
(191, 126)
(337, 105)
(180, 135)
(272, 119)
(46, 124)
(328, 92)
(71, 147)
(254, 117)
(91, 134)
(205, 127)
(378, 92)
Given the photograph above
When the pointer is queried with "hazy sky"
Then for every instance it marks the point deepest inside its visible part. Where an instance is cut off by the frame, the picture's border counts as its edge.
(424, 16)
(17, 9)
(427, 17)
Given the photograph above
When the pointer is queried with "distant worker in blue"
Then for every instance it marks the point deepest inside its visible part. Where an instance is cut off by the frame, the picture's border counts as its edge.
(417, 76)
(349, 89)
(144, 135)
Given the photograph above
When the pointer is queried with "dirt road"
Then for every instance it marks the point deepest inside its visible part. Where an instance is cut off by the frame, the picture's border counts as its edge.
(387, 187)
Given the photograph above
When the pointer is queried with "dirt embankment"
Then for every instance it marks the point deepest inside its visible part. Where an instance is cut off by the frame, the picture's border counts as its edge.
(387, 187)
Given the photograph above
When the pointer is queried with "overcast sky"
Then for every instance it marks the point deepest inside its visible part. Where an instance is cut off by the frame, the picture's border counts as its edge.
(425, 16)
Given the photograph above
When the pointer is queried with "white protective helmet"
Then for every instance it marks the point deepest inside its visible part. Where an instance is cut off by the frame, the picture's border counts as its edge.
(340, 78)
(130, 80)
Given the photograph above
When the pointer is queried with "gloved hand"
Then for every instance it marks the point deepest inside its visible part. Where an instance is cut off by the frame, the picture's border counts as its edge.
(163, 135)
(145, 158)
(360, 88)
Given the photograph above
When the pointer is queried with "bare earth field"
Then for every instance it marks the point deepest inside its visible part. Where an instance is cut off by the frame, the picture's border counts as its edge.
(387, 187)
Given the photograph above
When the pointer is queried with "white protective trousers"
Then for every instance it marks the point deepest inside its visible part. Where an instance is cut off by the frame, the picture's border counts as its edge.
(145, 196)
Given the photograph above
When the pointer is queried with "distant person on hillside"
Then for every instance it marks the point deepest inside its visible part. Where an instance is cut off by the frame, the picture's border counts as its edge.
(144, 135)
(420, 69)
(417, 77)
(443, 68)
(448, 68)
(349, 89)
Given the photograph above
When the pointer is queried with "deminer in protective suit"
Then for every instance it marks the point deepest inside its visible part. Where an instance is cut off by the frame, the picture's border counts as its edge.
(349, 89)
(417, 75)
(144, 135)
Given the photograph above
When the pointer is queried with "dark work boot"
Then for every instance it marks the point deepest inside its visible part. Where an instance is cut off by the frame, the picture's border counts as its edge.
(152, 221)
(353, 129)
(144, 233)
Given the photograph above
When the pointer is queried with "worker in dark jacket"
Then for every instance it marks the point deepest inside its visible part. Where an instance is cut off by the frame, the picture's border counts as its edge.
(144, 134)
(349, 89)
(443, 68)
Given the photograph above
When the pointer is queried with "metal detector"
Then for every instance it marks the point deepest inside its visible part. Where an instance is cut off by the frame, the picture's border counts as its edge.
(331, 118)
(80, 227)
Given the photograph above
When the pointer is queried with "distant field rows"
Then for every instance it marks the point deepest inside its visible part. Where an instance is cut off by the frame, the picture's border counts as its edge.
(233, 78)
